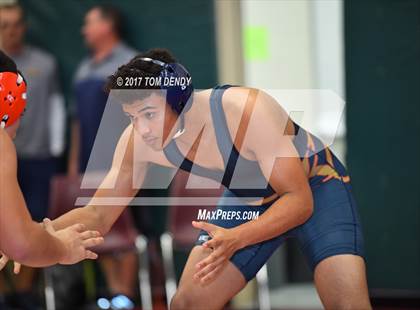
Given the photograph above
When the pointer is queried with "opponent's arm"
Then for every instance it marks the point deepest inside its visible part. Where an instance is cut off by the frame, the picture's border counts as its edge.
(117, 184)
(23, 240)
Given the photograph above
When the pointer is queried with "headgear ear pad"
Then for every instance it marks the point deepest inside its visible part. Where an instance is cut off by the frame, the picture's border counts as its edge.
(176, 95)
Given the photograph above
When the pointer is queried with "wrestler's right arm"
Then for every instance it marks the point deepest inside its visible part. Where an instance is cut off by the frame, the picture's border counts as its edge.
(117, 184)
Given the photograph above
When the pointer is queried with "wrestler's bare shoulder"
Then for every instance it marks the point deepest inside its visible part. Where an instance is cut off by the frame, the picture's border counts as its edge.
(236, 98)
(264, 113)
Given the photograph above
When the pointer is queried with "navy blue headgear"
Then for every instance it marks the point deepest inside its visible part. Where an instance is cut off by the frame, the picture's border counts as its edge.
(176, 96)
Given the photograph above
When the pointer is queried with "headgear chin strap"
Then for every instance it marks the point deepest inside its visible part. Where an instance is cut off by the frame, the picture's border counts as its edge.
(178, 133)
(181, 129)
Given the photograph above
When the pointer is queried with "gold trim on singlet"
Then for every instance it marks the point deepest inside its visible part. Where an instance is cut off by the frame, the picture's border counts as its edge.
(263, 200)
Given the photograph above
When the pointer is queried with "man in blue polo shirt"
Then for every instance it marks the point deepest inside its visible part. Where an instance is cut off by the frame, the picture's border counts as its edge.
(102, 33)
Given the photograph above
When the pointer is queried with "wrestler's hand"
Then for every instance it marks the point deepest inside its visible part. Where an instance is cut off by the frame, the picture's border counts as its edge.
(224, 244)
(76, 240)
(3, 262)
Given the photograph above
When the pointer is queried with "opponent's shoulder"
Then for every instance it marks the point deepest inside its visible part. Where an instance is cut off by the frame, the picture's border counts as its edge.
(7, 153)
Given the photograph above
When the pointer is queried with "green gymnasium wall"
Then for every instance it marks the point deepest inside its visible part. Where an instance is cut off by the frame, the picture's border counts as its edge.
(382, 47)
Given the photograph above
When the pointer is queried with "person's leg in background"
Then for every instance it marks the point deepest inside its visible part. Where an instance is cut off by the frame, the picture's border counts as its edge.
(120, 272)
(150, 222)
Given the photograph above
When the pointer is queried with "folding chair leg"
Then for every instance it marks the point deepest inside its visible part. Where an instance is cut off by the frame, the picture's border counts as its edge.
(49, 290)
(143, 273)
(166, 244)
(263, 290)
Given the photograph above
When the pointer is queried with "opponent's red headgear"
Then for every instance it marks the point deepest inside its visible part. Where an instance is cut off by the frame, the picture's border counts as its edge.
(12, 97)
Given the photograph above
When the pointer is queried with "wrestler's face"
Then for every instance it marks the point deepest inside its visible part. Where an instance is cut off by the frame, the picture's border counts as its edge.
(153, 120)
(11, 130)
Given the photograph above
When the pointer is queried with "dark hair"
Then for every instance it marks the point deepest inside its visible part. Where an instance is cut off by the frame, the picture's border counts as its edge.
(6, 63)
(113, 15)
(138, 68)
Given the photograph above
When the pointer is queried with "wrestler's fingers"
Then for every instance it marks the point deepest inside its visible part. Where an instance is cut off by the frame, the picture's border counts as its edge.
(91, 242)
(208, 227)
(3, 261)
(79, 228)
(213, 243)
(16, 267)
(90, 255)
(48, 225)
(210, 267)
(212, 275)
(89, 234)
(214, 256)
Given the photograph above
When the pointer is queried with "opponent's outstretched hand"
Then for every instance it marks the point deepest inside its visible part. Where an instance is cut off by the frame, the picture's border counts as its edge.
(77, 241)
(224, 244)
